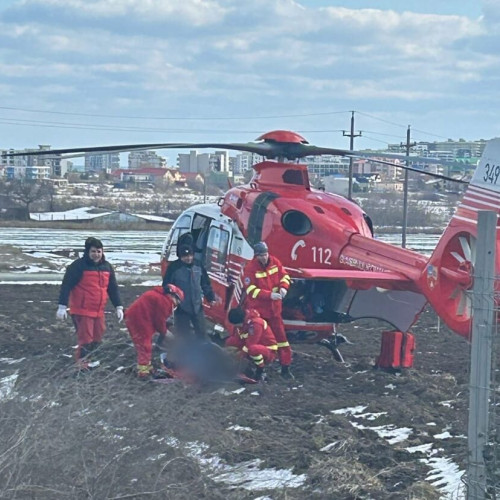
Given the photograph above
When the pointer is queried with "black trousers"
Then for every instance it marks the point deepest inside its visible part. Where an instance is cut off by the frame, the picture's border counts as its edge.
(185, 323)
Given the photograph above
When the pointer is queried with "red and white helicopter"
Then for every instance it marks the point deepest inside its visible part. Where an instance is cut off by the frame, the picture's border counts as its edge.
(339, 272)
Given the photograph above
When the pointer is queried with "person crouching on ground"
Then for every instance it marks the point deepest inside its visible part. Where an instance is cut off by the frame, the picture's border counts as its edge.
(86, 285)
(147, 315)
(253, 336)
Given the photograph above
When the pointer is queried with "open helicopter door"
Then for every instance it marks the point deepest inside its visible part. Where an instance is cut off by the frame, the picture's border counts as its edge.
(400, 308)
(216, 263)
(340, 300)
(192, 229)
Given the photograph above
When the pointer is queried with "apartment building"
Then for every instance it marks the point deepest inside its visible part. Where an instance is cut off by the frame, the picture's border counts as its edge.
(146, 159)
(102, 162)
(193, 162)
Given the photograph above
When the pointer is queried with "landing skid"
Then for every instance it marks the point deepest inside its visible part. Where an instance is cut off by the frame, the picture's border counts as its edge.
(332, 345)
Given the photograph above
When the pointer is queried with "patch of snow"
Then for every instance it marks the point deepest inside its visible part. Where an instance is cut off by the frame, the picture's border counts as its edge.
(370, 416)
(328, 447)
(443, 435)
(349, 411)
(11, 361)
(422, 448)
(7, 386)
(34, 282)
(223, 392)
(390, 433)
(239, 428)
(245, 475)
(149, 283)
(447, 403)
(446, 477)
(34, 269)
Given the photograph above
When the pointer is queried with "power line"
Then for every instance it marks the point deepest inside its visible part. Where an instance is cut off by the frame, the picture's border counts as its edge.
(201, 118)
(399, 125)
(86, 126)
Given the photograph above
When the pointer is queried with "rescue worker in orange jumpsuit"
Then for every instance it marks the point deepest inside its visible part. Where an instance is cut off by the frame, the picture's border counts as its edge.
(147, 315)
(87, 283)
(266, 283)
(252, 336)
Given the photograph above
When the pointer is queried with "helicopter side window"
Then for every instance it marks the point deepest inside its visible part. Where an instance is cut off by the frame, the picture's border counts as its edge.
(178, 233)
(201, 225)
(182, 227)
(296, 222)
(217, 246)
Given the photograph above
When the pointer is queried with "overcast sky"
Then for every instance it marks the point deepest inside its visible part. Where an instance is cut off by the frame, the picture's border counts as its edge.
(92, 72)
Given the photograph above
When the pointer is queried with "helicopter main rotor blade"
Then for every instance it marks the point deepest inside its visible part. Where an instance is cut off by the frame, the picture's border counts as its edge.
(317, 150)
(122, 148)
(268, 148)
(413, 169)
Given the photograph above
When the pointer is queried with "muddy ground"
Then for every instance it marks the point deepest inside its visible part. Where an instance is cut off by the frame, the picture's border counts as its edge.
(106, 435)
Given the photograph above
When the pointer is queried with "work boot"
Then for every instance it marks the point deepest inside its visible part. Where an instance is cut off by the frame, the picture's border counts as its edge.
(85, 351)
(144, 372)
(286, 373)
(159, 373)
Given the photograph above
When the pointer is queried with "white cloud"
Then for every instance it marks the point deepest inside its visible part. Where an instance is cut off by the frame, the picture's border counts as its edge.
(200, 58)
(197, 12)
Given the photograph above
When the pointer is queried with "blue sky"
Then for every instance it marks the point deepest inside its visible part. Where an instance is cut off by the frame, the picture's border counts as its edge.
(91, 72)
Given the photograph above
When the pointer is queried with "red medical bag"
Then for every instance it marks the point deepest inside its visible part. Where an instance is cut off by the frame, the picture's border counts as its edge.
(397, 350)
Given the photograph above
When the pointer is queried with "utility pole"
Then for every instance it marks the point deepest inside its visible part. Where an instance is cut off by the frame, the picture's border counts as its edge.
(483, 329)
(351, 135)
(408, 145)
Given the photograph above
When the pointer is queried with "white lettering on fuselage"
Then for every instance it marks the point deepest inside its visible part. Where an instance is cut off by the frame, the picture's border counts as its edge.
(359, 264)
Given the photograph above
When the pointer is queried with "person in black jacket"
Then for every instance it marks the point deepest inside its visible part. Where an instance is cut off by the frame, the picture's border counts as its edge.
(86, 285)
(193, 280)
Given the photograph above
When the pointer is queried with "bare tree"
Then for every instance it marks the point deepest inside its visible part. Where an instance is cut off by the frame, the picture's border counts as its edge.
(25, 192)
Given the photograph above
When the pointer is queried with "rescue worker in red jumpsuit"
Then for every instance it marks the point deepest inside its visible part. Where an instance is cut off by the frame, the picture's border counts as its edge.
(147, 315)
(253, 336)
(266, 283)
(85, 287)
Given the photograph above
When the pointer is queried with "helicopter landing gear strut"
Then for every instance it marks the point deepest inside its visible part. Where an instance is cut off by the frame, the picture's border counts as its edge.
(332, 345)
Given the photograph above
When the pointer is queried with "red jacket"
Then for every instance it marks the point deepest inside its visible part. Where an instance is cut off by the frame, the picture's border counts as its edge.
(255, 331)
(86, 286)
(260, 281)
(149, 313)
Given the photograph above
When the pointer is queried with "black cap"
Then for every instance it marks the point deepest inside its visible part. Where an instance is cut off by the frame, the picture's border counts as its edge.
(236, 316)
(93, 242)
(260, 248)
(184, 250)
